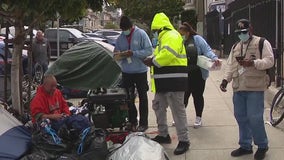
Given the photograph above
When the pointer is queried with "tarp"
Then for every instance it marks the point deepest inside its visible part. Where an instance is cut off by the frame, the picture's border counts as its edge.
(15, 139)
(87, 65)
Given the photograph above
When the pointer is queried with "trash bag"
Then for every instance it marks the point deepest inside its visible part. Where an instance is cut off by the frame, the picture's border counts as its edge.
(146, 150)
(94, 147)
(45, 147)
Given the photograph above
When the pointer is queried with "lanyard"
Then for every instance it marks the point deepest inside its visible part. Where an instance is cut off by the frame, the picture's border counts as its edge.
(246, 48)
(129, 37)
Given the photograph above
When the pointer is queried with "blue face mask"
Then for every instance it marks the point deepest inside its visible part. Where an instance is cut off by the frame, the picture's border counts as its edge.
(127, 32)
(243, 37)
(155, 39)
(155, 35)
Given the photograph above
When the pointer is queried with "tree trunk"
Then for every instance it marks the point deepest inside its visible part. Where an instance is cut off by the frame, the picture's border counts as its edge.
(16, 85)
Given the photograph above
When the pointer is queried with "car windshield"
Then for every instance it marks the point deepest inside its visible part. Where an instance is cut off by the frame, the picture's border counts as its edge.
(77, 33)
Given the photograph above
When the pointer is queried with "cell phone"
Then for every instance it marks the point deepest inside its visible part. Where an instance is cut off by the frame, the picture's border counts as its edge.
(239, 58)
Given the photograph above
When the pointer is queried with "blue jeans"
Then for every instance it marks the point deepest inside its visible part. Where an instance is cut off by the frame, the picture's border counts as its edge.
(248, 111)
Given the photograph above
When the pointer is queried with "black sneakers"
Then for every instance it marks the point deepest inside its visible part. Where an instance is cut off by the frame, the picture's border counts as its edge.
(182, 147)
(260, 153)
(162, 139)
(240, 151)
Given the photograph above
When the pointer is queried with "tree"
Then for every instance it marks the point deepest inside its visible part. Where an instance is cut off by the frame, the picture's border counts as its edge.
(19, 13)
(144, 10)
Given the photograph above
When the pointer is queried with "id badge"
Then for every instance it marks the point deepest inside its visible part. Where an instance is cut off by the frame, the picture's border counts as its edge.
(241, 70)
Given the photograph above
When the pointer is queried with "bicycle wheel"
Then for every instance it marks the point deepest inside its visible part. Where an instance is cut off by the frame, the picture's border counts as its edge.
(277, 108)
(25, 81)
(38, 73)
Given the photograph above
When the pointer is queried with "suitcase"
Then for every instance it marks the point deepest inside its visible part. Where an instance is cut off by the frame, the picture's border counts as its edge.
(108, 107)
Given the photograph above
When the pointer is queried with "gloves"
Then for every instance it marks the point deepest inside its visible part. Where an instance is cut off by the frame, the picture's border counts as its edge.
(148, 61)
(223, 85)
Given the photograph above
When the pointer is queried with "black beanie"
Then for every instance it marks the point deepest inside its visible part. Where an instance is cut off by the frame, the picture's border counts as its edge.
(125, 23)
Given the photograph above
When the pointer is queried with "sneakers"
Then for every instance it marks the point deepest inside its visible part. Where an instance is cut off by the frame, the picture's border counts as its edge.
(162, 139)
(142, 128)
(131, 127)
(197, 122)
(260, 153)
(182, 147)
(240, 151)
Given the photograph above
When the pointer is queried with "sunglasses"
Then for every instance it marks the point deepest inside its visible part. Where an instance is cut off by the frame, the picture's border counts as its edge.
(242, 32)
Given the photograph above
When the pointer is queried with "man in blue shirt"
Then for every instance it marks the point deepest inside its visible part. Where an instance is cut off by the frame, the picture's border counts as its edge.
(132, 47)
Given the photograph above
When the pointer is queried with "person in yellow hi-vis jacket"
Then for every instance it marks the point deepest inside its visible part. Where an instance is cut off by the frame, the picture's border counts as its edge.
(169, 81)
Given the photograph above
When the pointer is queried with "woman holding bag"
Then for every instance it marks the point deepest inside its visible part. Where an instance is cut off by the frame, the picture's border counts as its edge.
(196, 45)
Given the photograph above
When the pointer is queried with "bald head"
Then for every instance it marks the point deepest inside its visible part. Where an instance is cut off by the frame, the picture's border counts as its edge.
(49, 83)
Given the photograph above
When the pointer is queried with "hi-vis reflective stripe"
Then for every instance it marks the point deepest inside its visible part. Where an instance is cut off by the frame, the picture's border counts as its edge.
(174, 52)
(170, 75)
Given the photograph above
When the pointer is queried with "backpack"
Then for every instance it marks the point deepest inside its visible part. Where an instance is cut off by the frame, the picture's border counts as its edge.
(270, 71)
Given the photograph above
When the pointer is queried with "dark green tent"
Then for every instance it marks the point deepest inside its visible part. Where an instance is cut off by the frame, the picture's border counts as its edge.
(87, 65)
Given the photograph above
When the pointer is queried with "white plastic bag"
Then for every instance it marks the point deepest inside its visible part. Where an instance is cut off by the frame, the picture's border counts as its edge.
(207, 63)
(138, 147)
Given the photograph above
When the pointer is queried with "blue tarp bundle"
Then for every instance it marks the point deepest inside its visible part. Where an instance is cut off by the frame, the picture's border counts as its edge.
(15, 139)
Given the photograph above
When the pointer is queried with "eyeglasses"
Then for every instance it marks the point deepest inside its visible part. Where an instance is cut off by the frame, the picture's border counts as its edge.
(243, 32)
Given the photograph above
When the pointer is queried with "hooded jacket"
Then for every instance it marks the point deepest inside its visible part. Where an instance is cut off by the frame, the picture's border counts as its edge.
(44, 103)
(169, 73)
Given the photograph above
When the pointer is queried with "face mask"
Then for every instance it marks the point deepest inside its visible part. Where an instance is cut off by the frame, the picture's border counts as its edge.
(183, 37)
(155, 35)
(127, 32)
(243, 37)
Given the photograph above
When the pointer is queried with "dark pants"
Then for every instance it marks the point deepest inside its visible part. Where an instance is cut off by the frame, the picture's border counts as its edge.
(196, 86)
(138, 81)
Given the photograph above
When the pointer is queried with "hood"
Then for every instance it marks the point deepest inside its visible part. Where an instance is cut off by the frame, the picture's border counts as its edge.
(161, 21)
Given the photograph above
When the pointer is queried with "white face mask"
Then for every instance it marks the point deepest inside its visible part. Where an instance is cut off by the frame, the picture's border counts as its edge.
(243, 36)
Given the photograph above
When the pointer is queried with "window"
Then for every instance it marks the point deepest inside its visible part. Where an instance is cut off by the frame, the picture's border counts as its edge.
(189, 1)
(64, 36)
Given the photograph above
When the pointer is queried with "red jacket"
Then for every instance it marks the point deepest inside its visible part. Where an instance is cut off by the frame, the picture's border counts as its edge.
(44, 103)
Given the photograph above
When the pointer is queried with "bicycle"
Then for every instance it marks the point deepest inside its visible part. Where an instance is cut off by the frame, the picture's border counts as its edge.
(38, 73)
(277, 108)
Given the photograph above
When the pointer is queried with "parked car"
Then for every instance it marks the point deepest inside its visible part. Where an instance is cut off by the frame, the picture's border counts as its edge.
(9, 59)
(67, 38)
(110, 35)
(12, 33)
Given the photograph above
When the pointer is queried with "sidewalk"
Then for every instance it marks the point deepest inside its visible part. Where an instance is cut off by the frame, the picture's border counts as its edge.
(219, 134)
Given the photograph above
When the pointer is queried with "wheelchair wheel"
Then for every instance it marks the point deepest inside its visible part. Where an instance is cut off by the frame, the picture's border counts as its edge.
(277, 108)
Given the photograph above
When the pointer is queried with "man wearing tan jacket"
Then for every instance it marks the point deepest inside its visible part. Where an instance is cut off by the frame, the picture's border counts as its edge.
(246, 68)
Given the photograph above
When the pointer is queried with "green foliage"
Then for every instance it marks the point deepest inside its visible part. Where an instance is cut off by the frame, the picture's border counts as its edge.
(110, 25)
(190, 17)
(33, 11)
(144, 10)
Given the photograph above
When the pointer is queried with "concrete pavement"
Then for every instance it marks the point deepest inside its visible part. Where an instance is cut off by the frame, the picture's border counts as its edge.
(219, 134)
